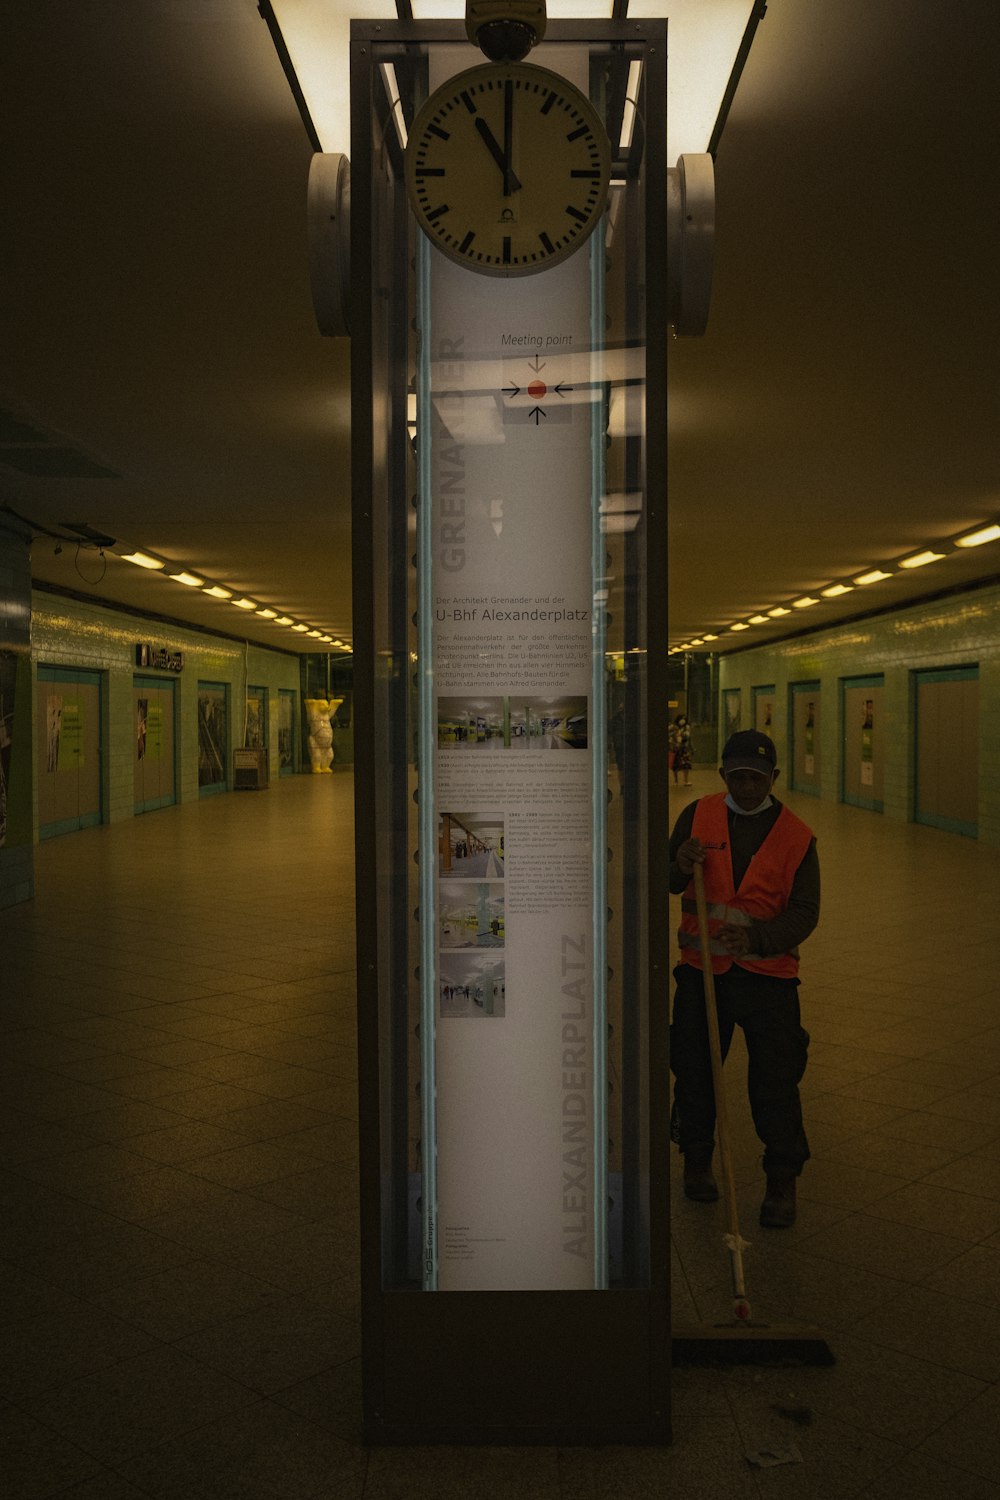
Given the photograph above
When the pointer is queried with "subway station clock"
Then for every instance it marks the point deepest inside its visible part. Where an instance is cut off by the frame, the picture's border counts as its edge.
(507, 168)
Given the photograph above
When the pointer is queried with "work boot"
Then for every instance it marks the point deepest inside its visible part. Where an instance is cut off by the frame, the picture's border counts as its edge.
(778, 1208)
(699, 1184)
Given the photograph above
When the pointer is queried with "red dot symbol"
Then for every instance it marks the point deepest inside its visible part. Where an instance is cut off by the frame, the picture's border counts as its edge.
(537, 389)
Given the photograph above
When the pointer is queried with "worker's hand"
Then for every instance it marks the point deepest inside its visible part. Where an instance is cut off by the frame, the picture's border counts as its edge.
(690, 853)
(735, 939)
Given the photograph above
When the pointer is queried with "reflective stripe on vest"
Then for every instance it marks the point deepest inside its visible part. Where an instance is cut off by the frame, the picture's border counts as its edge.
(763, 894)
(717, 912)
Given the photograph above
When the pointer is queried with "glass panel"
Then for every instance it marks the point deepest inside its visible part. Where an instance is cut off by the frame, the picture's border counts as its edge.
(508, 604)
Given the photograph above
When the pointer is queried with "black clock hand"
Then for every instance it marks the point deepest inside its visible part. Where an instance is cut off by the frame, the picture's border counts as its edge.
(508, 130)
(498, 156)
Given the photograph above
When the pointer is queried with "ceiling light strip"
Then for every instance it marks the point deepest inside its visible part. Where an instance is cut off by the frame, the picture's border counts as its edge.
(980, 536)
(190, 580)
(977, 538)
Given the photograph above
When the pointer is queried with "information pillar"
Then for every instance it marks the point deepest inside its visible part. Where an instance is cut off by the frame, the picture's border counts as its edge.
(509, 505)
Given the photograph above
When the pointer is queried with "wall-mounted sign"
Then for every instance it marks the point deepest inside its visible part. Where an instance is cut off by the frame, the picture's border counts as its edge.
(159, 657)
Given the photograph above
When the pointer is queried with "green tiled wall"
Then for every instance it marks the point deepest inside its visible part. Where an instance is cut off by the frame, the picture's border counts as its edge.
(957, 631)
(71, 633)
(16, 853)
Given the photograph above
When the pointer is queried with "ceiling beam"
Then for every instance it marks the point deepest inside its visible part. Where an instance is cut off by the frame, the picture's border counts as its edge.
(266, 10)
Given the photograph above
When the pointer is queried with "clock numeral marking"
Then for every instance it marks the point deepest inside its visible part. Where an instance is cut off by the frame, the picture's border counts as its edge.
(576, 213)
(442, 135)
(590, 174)
(435, 213)
(574, 135)
(547, 244)
(463, 247)
(423, 172)
(467, 101)
(506, 249)
(550, 99)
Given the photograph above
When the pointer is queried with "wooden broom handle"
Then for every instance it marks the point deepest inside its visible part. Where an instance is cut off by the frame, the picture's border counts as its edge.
(715, 1051)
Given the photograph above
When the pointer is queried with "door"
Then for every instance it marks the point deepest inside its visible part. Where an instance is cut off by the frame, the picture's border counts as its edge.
(155, 779)
(68, 739)
(946, 784)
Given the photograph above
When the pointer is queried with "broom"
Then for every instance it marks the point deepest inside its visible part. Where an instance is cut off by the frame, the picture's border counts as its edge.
(740, 1341)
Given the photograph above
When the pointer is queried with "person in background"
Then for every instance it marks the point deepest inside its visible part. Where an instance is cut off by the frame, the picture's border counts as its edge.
(680, 748)
(762, 889)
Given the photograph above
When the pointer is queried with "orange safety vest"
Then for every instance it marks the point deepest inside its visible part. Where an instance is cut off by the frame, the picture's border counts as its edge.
(764, 891)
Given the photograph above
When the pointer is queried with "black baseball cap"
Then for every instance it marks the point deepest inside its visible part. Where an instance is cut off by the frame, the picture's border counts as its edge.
(749, 750)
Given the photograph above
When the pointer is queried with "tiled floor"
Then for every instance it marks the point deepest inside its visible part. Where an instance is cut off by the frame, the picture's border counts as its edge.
(178, 1184)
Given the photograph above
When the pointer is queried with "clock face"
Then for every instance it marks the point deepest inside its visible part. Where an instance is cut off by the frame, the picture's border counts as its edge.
(507, 168)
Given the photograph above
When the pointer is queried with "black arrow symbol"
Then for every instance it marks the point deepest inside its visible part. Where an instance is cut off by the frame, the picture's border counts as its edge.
(560, 388)
(512, 390)
(537, 413)
(535, 365)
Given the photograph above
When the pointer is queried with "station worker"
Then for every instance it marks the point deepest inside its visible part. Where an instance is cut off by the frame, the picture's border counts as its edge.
(761, 874)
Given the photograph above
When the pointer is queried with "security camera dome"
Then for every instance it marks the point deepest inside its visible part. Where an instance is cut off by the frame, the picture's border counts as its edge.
(505, 30)
(506, 41)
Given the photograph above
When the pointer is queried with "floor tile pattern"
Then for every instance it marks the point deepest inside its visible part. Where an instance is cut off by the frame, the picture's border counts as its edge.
(178, 1184)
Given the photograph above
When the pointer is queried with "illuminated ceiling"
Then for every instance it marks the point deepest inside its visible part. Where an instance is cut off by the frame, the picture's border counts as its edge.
(158, 337)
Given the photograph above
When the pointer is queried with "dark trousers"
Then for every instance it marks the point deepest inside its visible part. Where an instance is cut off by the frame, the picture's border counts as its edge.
(768, 1011)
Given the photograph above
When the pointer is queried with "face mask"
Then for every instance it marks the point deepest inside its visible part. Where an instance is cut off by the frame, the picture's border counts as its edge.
(751, 812)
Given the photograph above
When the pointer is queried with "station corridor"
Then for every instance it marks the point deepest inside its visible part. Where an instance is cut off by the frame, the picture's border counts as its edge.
(178, 1184)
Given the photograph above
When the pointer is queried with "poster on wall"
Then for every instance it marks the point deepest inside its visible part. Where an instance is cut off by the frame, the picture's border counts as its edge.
(254, 730)
(141, 727)
(53, 720)
(512, 415)
(731, 699)
(212, 731)
(732, 710)
(69, 725)
(154, 731)
(286, 735)
(868, 743)
(8, 678)
(810, 756)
